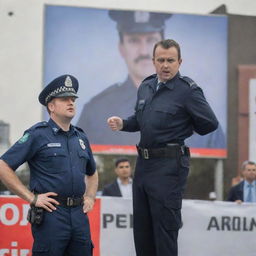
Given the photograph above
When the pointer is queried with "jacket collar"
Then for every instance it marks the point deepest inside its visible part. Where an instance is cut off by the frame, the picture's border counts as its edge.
(55, 128)
(169, 84)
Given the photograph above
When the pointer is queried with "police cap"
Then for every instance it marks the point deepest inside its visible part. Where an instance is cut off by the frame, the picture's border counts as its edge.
(62, 86)
(139, 21)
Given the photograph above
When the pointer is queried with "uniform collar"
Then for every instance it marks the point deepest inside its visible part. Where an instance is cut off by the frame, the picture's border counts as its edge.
(169, 84)
(153, 85)
(56, 128)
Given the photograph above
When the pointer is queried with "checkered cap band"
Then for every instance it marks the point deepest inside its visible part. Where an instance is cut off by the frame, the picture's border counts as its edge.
(59, 91)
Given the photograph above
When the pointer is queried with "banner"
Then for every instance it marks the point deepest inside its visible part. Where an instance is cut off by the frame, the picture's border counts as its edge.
(209, 228)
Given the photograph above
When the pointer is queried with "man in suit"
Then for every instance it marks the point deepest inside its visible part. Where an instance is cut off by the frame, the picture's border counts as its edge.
(122, 186)
(245, 191)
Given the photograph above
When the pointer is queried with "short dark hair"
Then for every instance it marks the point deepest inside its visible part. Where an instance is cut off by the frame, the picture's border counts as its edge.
(121, 35)
(166, 44)
(246, 163)
(121, 160)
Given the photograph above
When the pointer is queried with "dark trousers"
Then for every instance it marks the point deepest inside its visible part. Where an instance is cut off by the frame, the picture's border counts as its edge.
(157, 195)
(64, 232)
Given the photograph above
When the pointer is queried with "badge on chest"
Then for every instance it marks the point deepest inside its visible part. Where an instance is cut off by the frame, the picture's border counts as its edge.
(82, 144)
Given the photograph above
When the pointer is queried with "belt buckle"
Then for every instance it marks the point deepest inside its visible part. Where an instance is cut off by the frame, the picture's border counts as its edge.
(145, 153)
(70, 201)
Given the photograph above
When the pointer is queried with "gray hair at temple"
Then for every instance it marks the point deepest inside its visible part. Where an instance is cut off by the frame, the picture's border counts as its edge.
(246, 163)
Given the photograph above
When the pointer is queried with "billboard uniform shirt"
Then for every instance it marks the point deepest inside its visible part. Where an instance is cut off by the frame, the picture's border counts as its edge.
(58, 160)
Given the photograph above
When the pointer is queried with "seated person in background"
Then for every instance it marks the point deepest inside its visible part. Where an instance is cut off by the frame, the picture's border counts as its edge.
(245, 191)
(122, 186)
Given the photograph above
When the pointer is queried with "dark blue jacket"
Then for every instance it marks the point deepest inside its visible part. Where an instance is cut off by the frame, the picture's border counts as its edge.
(172, 113)
(112, 190)
(236, 192)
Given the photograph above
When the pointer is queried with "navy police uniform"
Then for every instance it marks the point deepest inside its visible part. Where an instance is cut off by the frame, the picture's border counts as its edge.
(120, 98)
(165, 118)
(58, 162)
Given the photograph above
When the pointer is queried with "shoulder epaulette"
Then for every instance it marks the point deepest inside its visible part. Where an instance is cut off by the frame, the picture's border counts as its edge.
(188, 80)
(39, 125)
(79, 129)
(149, 77)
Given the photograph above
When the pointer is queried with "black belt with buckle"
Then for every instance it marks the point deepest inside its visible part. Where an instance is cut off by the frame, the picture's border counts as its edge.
(170, 151)
(70, 201)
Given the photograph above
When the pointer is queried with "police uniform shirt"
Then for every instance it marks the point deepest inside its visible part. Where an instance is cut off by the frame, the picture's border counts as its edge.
(172, 113)
(58, 160)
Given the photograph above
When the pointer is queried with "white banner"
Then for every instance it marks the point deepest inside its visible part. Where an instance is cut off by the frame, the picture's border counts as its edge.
(217, 229)
(116, 235)
(210, 228)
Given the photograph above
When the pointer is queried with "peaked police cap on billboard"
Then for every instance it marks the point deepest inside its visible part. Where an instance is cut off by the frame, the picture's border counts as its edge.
(62, 86)
(139, 21)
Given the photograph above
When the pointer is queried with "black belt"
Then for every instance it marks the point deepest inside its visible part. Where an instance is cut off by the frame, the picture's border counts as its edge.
(168, 151)
(69, 201)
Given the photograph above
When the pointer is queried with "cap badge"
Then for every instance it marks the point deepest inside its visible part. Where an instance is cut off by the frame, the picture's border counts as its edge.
(68, 82)
(82, 144)
(141, 17)
(55, 129)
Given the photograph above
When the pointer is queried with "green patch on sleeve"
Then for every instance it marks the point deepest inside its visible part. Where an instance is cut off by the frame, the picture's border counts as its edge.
(24, 138)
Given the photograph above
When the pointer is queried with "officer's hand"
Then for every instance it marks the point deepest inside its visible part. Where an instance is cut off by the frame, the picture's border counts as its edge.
(115, 123)
(46, 201)
(88, 204)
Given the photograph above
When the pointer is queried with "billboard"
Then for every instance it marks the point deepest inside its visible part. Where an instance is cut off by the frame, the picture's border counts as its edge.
(88, 43)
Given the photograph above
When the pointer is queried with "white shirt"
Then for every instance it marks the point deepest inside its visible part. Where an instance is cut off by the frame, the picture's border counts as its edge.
(246, 191)
(126, 189)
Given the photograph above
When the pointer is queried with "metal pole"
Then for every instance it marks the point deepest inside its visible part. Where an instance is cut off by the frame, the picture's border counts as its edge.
(218, 179)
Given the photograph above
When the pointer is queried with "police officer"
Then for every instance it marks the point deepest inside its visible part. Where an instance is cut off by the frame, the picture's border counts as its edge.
(59, 158)
(138, 32)
(169, 108)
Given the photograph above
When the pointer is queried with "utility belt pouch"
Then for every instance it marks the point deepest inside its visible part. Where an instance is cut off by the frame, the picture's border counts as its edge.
(35, 215)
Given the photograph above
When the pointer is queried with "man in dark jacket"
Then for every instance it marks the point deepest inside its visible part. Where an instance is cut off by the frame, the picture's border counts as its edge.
(245, 191)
